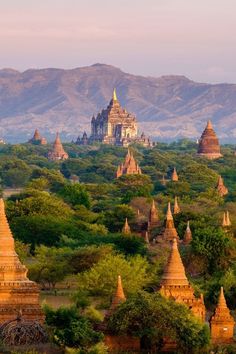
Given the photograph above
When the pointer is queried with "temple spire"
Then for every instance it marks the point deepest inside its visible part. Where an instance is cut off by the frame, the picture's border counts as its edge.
(170, 232)
(126, 228)
(58, 152)
(153, 216)
(114, 97)
(174, 273)
(119, 295)
(209, 146)
(209, 125)
(228, 221)
(174, 176)
(221, 188)
(176, 206)
(188, 235)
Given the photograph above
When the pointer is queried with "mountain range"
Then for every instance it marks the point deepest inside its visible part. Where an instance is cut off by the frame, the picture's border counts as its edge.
(167, 107)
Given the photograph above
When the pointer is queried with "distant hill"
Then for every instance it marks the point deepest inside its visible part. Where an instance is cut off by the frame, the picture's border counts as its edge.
(167, 108)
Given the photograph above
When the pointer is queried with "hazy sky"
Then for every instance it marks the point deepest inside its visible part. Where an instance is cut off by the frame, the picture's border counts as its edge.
(196, 38)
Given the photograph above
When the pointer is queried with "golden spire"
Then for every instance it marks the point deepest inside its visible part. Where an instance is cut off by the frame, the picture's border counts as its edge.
(119, 295)
(176, 206)
(114, 97)
(126, 229)
(174, 176)
(188, 234)
(174, 273)
(224, 223)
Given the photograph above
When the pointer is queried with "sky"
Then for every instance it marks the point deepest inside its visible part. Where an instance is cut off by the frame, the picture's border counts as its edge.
(195, 38)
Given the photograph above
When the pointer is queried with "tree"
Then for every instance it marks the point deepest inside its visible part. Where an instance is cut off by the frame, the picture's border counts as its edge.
(153, 318)
(75, 194)
(102, 277)
(70, 328)
(130, 186)
(115, 217)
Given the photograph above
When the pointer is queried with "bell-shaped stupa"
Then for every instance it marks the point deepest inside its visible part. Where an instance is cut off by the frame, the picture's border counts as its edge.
(209, 146)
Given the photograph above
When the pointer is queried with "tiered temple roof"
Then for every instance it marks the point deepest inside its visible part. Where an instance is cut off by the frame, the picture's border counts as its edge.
(57, 152)
(129, 167)
(209, 146)
(170, 232)
(18, 295)
(175, 284)
(176, 206)
(222, 323)
(220, 187)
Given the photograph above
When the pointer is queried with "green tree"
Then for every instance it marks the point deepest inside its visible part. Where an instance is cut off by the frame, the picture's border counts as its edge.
(75, 194)
(130, 186)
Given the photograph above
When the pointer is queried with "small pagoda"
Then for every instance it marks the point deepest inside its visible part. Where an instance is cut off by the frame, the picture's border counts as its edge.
(209, 146)
(176, 207)
(126, 228)
(221, 188)
(37, 139)
(82, 141)
(57, 153)
(153, 217)
(170, 232)
(174, 176)
(222, 323)
(130, 166)
(187, 235)
(175, 285)
(19, 297)
(226, 220)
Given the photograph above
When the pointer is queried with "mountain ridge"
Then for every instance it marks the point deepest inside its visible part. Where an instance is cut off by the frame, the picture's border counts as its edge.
(167, 107)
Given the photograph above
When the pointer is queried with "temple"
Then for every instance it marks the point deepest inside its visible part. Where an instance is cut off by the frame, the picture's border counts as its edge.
(57, 153)
(187, 235)
(118, 297)
(153, 217)
(176, 206)
(18, 295)
(170, 232)
(114, 125)
(222, 323)
(126, 228)
(37, 139)
(220, 187)
(175, 284)
(82, 141)
(209, 146)
(129, 167)
(174, 176)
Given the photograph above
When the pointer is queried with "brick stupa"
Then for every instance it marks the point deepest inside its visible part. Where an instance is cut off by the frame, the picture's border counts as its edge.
(175, 284)
(170, 232)
(58, 152)
(226, 220)
(209, 146)
(118, 297)
(222, 323)
(220, 187)
(18, 295)
(130, 166)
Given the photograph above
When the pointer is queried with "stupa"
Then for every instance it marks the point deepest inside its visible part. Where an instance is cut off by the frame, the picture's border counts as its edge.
(175, 285)
(209, 146)
(176, 206)
(118, 297)
(188, 235)
(170, 232)
(153, 216)
(126, 228)
(220, 187)
(174, 176)
(57, 153)
(130, 166)
(18, 295)
(222, 323)
(37, 139)
(82, 141)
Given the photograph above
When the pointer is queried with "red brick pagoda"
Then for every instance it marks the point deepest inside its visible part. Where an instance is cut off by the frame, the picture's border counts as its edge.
(209, 146)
